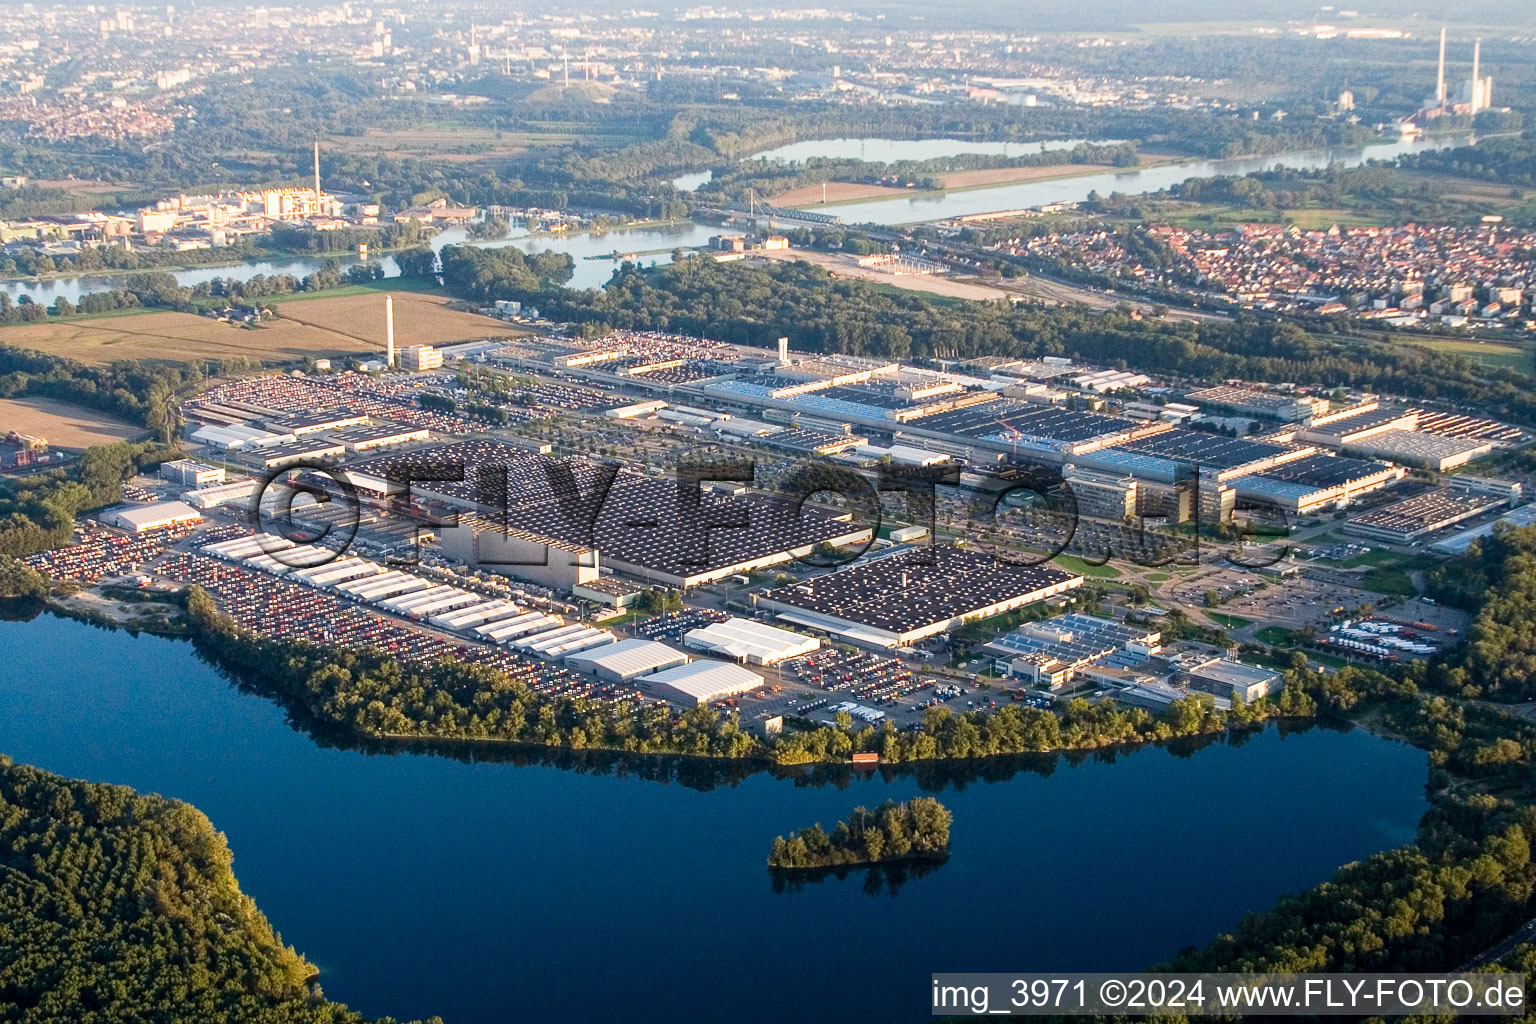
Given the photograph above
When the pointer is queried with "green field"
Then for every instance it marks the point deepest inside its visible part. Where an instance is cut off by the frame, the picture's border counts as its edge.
(1275, 636)
(1230, 621)
(1072, 563)
(1486, 353)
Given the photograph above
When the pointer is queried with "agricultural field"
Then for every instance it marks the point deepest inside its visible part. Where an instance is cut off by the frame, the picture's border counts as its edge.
(63, 424)
(421, 318)
(837, 192)
(179, 338)
(1012, 175)
(346, 322)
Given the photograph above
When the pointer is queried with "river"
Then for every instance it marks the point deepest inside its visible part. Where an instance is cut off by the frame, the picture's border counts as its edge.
(921, 209)
(486, 891)
(590, 250)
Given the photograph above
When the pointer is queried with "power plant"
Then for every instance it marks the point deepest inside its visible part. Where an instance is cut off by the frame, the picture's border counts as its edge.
(1474, 96)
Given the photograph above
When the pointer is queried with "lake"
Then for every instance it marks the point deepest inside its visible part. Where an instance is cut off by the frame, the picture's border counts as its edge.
(485, 891)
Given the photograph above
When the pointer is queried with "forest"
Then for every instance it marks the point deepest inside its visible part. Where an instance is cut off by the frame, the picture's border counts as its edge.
(916, 829)
(116, 906)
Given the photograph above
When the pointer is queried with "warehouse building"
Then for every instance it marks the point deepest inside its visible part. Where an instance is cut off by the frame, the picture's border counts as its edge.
(1315, 482)
(159, 516)
(1427, 451)
(896, 600)
(755, 643)
(1408, 520)
(219, 494)
(300, 424)
(1348, 431)
(279, 455)
(626, 660)
(701, 682)
(1288, 408)
(191, 473)
(384, 435)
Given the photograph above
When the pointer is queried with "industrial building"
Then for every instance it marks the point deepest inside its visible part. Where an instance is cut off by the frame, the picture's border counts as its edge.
(1102, 495)
(648, 528)
(384, 435)
(219, 494)
(755, 643)
(1315, 482)
(1408, 520)
(1232, 679)
(1348, 428)
(626, 660)
(161, 515)
(321, 420)
(234, 436)
(1288, 408)
(1427, 451)
(191, 473)
(1051, 652)
(313, 450)
(421, 358)
(893, 601)
(701, 682)
(1458, 543)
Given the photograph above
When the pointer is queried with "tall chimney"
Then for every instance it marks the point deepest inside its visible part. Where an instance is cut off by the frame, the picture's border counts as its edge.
(783, 351)
(1440, 81)
(317, 176)
(389, 331)
(1477, 74)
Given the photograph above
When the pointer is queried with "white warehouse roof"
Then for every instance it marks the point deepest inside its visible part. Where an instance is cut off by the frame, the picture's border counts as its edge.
(149, 517)
(757, 642)
(627, 659)
(701, 682)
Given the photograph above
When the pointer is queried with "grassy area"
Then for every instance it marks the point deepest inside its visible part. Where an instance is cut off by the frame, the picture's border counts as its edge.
(1276, 636)
(1158, 577)
(1230, 621)
(389, 285)
(1072, 563)
(1485, 353)
(1392, 582)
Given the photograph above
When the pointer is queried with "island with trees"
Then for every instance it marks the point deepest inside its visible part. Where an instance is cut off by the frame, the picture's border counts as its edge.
(912, 830)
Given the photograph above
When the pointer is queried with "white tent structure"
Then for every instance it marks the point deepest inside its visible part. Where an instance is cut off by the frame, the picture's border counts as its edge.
(701, 682)
(756, 643)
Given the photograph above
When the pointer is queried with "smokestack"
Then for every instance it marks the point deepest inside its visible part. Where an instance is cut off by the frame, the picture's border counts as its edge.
(389, 331)
(1440, 81)
(317, 176)
(783, 351)
(1477, 73)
